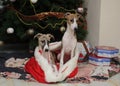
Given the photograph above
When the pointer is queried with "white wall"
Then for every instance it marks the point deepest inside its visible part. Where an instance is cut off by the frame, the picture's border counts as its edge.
(110, 23)
(93, 20)
(104, 22)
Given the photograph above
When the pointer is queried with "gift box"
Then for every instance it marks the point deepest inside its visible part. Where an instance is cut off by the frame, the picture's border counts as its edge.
(94, 59)
(85, 49)
(106, 51)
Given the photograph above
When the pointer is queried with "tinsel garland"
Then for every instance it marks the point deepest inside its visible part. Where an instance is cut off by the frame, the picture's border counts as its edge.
(40, 16)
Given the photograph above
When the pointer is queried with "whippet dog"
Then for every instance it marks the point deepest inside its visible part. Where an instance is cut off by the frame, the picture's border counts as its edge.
(43, 45)
(69, 40)
(46, 62)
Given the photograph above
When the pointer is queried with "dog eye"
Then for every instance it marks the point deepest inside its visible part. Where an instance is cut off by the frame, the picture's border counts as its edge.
(43, 41)
(72, 20)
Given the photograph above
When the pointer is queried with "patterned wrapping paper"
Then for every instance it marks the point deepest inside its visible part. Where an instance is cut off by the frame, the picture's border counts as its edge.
(82, 50)
(94, 59)
(106, 51)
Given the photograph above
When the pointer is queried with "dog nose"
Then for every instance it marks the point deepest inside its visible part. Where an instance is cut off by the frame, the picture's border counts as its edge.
(46, 50)
(76, 28)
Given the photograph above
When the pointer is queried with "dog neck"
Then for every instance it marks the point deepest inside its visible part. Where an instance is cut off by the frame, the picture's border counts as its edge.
(70, 30)
(45, 54)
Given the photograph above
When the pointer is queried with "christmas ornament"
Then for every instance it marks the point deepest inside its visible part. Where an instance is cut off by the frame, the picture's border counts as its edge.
(1, 42)
(10, 30)
(62, 29)
(30, 31)
(33, 1)
(12, 0)
(80, 10)
(1, 7)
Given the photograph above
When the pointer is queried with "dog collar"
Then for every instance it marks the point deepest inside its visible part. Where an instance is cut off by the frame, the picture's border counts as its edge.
(40, 51)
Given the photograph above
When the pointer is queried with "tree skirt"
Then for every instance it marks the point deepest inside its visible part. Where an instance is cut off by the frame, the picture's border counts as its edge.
(14, 68)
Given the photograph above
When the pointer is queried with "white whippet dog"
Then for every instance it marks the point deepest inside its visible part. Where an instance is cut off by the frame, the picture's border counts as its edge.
(43, 45)
(69, 40)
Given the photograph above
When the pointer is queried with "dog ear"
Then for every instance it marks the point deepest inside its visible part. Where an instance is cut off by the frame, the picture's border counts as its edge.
(78, 15)
(66, 14)
(50, 36)
(38, 35)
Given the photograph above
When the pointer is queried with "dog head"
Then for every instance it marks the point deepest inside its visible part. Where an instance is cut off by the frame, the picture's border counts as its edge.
(44, 40)
(72, 20)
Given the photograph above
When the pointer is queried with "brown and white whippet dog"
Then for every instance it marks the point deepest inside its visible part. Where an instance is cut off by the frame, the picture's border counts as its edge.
(69, 40)
(43, 56)
(43, 45)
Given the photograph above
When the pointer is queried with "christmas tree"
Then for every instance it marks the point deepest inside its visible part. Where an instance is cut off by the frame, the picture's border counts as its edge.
(20, 20)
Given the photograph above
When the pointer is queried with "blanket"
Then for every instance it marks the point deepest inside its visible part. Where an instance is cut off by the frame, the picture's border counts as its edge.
(14, 68)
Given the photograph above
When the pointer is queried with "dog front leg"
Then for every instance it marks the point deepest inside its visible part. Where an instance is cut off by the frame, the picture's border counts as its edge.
(73, 52)
(61, 58)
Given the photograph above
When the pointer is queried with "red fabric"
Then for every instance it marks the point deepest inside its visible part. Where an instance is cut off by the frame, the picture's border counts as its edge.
(81, 58)
(35, 70)
(81, 55)
(40, 51)
(73, 73)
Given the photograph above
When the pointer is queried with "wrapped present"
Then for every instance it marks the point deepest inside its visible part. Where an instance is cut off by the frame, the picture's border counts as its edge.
(85, 49)
(93, 59)
(106, 51)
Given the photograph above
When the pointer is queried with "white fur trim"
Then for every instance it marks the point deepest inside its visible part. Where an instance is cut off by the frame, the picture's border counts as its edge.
(55, 76)
(55, 46)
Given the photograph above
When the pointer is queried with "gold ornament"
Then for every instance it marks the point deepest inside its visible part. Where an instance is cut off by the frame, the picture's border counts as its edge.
(62, 29)
(1, 42)
(30, 31)
(34, 1)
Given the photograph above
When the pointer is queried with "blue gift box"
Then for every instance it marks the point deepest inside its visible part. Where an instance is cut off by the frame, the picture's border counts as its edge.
(106, 51)
(93, 59)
